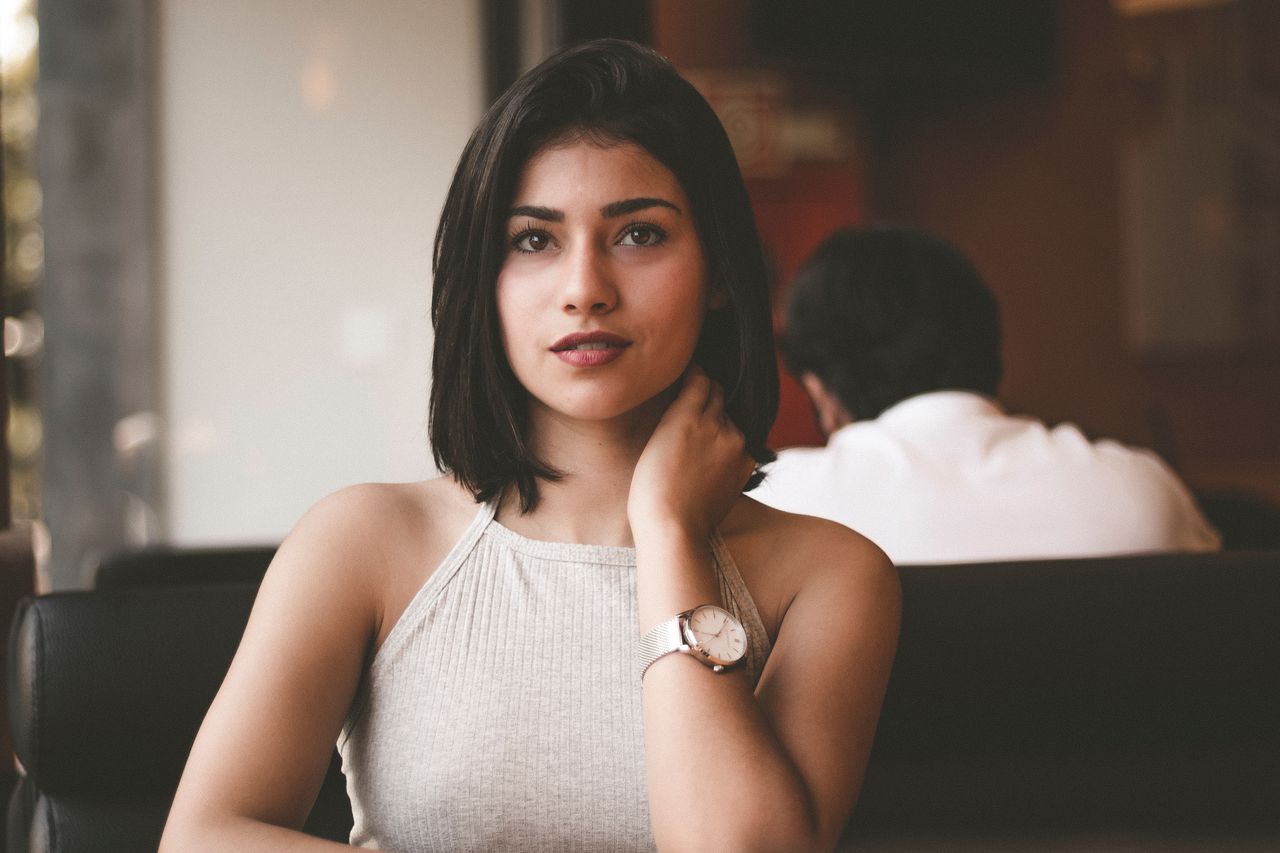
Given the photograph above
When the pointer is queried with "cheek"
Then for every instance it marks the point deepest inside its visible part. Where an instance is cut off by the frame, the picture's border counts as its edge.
(510, 296)
(686, 304)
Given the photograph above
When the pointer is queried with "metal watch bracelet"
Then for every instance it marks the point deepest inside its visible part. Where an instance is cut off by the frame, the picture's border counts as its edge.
(661, 640)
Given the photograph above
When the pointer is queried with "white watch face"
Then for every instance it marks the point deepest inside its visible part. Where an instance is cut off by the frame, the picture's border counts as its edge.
(720, 637)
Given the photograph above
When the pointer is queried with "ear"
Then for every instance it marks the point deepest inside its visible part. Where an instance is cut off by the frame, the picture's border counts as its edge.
(827, 408)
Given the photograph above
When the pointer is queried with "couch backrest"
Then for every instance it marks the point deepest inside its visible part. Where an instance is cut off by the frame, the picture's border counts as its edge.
(166, 565)
(1129, 695)
(1122, 696)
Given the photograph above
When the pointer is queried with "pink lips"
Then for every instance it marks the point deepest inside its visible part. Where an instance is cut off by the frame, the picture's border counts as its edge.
(589, 349)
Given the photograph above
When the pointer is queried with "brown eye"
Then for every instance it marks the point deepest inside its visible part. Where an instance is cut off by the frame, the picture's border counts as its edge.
(531, 241)
(642, 235)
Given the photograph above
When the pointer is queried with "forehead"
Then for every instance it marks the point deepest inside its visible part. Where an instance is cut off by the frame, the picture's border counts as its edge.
(608, 171)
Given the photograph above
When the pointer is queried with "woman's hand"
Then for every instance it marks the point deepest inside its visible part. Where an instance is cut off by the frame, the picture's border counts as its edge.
(693, 467)
(788, 752)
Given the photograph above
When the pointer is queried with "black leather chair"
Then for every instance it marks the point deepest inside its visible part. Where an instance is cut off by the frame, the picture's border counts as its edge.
(108, 689)
(166, 565)
(1125, 703)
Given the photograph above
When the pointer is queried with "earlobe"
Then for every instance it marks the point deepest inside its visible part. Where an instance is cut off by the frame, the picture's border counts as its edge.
(827, 408)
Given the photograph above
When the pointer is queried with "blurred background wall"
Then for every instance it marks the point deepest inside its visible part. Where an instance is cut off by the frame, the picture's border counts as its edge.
(240, 199)
(240, 202)
(305, 149)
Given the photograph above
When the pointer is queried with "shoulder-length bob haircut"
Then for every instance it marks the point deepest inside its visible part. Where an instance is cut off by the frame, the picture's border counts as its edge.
(608, 92)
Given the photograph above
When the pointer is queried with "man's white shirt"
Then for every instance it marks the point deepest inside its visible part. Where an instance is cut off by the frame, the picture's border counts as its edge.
(948, 477)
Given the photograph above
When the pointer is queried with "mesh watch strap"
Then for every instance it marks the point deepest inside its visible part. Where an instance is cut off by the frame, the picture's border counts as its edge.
(662, 639)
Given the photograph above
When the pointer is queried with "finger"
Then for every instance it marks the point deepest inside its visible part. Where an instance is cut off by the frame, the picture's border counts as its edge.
(694, 392)
(693, 375)
(714, 404)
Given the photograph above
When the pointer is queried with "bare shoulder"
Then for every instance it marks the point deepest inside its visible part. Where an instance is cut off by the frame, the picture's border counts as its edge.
(802, 546)
(374, 544)
(783, 556)
(325, 604)
(371, 522)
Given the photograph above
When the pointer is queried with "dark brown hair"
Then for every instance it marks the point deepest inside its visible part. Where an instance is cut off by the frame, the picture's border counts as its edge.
(612, 92)
(884, 313)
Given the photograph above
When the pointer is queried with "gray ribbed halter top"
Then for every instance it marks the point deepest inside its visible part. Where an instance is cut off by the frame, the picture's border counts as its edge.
(502, 711)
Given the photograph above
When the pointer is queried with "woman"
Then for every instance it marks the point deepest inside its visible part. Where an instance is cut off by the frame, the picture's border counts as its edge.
(584, 636)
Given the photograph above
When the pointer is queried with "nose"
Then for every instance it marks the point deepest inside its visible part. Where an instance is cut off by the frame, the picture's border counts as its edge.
(588, 286)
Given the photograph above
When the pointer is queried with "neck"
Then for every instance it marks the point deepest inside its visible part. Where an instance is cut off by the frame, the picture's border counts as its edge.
(588, 504)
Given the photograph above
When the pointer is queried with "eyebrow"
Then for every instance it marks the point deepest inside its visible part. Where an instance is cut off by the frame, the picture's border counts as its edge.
(631, 205)
(609, 211)
(536, 212)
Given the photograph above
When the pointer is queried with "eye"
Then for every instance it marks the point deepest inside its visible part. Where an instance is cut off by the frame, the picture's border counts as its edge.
(531, 241)
(642, 234)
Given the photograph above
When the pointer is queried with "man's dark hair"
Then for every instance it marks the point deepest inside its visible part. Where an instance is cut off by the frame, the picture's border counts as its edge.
(610, 92)
(884, 313)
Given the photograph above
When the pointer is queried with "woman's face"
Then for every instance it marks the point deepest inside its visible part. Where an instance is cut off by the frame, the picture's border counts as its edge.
(604, 287)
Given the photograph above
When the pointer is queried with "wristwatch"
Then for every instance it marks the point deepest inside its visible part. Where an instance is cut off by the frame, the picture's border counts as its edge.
(709, 633)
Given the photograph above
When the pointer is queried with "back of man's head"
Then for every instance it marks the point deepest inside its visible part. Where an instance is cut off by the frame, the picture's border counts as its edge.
(884, 313)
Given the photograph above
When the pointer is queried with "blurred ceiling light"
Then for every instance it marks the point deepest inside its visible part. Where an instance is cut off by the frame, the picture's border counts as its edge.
(28, 254)
(23, 336)
(21, 112)
(23, 197)
(133, 432)
(1133, 8)
(318, 81)
(42, 545)
(318, 86)
(26, 432)
(10, 9)
(19, 33)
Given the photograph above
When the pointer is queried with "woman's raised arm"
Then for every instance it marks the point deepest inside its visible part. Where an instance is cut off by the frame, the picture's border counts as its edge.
(263, 749)
(777, 768)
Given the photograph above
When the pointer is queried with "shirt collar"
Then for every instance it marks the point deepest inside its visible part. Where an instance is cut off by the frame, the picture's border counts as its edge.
(933, 407)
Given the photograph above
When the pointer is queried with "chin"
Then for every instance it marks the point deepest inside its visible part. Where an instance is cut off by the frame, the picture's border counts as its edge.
(607, 407)
(594, 410)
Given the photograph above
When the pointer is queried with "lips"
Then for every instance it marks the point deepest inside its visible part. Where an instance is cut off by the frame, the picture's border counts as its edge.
(589, 349)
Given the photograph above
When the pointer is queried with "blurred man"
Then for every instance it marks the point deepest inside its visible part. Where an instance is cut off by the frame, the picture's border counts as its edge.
(896, 339)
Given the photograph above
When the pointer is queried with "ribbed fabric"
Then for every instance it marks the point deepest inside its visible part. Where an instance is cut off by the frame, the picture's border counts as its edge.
(503, 710)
